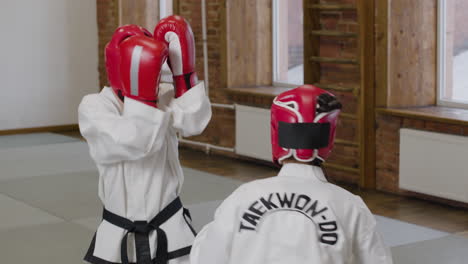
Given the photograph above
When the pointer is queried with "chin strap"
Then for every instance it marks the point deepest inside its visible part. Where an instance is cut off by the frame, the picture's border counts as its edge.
(317, 162)
(120, 95)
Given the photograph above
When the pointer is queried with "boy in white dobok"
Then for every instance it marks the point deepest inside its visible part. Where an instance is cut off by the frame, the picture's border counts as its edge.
(297, 217)
(131, 129)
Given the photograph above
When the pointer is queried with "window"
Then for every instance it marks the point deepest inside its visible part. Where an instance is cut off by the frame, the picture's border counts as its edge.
(288, 42)
(165, 8)
(453, 53)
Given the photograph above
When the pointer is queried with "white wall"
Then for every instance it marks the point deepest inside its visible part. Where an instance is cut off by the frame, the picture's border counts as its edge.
(253, 132)
(48, 61)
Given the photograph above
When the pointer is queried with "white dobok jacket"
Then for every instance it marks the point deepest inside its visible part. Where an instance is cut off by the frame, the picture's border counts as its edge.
(296, 217)
(135, 149)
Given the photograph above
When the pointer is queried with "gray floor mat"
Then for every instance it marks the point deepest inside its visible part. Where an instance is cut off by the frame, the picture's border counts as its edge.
(16, 214)
(202, 213)
(197, 183)
(67, 188)
(16, 163)
(34, 139)
(68, 195)
(450, 249)
(45, 244)
(397, 233)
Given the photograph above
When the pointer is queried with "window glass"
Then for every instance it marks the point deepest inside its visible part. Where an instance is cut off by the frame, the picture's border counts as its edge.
(453, 52)
(288, 42)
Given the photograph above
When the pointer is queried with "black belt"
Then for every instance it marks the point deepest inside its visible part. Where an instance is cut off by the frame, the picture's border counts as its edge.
(142, 229)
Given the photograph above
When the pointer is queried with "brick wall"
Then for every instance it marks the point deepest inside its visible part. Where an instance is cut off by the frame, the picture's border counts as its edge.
(220, 130)
(338, 43)
(108, 20)
(387, 156)
(339, 47)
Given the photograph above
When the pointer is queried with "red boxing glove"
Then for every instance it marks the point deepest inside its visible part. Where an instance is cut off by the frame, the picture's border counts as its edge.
(112, 54)
(177, 33)
(140, 67)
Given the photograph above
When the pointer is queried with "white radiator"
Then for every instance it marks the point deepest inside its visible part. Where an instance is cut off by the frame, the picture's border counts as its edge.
(434, 164)
(253, 132)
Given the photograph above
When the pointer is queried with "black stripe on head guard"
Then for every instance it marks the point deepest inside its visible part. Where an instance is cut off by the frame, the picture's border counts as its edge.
(327, 103)
(303, 135)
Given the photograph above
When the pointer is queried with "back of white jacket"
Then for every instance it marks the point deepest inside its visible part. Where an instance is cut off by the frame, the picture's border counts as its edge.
(297, 217)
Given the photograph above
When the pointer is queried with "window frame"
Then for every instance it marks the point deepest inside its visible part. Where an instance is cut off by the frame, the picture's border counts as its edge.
(275, 35)
(165, 8)
(441, 59)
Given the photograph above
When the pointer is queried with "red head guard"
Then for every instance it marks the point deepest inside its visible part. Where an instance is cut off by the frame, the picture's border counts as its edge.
(303, 124)
(112, 53)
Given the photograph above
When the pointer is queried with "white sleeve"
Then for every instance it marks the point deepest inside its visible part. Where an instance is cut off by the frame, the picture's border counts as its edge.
(191, 112)
(214, 242)
(370, 245)
(113, 137)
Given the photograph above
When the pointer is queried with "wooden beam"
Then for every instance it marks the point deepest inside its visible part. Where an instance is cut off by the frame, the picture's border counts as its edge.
(412, 53)
(367, 138)
(223, 42)
(332, 7)
(445, 115)
(348, 116)
(333, 60)
(381, 52)
(334, 87)
(333, 33)
(62, 128)
(175, 6)
(142, 12)
(249, 52)
(311, 43)
(264, 43)
(340, 167)
(346, 142)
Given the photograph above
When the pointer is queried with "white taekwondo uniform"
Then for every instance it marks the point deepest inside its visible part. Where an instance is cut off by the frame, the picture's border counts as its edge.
(135, 149)
(296, 217)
